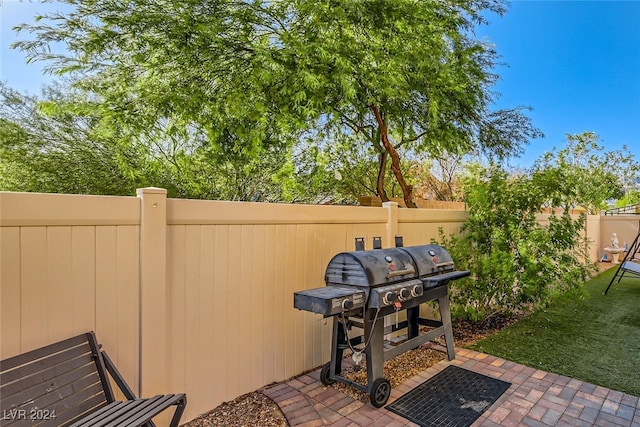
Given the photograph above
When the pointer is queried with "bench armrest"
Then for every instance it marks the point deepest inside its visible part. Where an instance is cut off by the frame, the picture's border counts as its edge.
(180, 400)
(117, 377)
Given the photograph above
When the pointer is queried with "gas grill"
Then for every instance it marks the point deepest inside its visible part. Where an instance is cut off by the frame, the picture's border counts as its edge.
(364, 286)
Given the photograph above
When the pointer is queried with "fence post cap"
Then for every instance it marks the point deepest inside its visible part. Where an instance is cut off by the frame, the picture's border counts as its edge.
(150, 190)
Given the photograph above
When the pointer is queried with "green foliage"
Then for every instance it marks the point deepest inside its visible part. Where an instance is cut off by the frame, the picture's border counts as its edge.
(356, 167)
(230, 81)
(516, 261)
(59, 144)
(63, 155)
(630, 198)
(584, 174)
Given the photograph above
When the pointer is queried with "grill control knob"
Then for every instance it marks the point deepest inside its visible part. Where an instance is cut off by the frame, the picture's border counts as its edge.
(415, 290)
(388, 298)
(347, 304)
(403, 294)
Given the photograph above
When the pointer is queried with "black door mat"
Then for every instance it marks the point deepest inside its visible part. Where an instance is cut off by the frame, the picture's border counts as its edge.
(455, 397)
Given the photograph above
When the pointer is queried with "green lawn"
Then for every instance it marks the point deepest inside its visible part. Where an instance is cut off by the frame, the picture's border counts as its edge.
(591, 337)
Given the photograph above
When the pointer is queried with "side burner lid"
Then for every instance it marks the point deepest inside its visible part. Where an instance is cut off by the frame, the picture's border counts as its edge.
(430, 259)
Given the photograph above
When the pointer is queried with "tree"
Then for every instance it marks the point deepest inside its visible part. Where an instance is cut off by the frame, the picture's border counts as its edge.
(417, 80)
(64, 154)
(243, 76)
(440, 177)
(631, 197)
(584, 174)
(54, 143)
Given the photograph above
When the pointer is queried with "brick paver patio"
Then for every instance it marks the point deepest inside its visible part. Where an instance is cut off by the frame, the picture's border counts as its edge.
(535, 398)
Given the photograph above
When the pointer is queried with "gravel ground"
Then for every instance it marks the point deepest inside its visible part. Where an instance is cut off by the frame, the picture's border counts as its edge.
(396, 370)
(256, 409)
(253, 409)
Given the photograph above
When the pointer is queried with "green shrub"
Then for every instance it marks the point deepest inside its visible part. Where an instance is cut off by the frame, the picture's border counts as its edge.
(516, 262)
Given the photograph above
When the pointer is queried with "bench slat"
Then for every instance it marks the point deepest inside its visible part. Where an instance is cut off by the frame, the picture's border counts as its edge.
(137, 416)
(129, 413)
(43, 365)
(77, 412)
(66, 384)
(62, 379)
(116, 413)
(73, 404)
(38, 353)
(158, 405)
(46, 375)
(56, 419)
(99, 415)
(69, 379)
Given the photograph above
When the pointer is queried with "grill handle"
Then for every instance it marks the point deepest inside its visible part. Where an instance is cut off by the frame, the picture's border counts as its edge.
(409, 270)
(444, 264)
(438, 278)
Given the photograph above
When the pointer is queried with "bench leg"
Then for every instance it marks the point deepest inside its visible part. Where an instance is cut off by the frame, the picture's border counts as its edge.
(178, 413)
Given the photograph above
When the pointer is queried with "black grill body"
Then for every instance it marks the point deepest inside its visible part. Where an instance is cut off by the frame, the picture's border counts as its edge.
(362, 287)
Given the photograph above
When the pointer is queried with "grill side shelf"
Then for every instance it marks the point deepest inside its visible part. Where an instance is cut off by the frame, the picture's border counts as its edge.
(442, 279)
(330, 300)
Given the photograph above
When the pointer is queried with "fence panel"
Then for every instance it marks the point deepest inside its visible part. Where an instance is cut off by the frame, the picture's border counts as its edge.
(69, 264)
(421, 226)
(625, 226)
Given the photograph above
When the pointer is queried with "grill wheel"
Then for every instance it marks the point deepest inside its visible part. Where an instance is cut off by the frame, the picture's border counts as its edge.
(324, 375)
(380, 392)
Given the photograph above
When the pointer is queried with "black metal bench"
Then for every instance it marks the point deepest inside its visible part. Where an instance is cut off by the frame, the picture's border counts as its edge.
(66, 384)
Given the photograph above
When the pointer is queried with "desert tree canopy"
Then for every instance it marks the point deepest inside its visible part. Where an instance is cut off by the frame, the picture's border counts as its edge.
(243, 76)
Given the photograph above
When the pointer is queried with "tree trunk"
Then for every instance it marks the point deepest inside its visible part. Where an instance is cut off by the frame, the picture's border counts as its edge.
(407, 190)
(382, 156)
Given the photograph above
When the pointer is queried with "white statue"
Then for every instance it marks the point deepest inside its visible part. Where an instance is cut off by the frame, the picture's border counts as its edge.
(615, 243)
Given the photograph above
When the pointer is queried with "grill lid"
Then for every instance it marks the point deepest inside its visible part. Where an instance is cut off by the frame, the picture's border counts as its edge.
(371, 268)
(430, 259)
(381, 267)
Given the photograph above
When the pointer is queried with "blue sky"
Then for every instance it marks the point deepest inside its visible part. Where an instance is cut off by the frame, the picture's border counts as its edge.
(13, 67)
(576, 63)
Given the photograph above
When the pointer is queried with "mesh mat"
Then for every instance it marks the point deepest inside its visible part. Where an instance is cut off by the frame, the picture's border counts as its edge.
(453, 397)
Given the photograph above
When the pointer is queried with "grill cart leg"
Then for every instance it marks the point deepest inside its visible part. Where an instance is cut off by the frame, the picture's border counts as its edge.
(378, 388)
(338, 344)
(445, 315)
(413, 314)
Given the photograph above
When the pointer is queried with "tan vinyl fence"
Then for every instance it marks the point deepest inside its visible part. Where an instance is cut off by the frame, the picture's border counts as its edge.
(186, 296)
